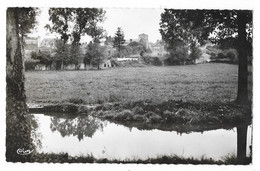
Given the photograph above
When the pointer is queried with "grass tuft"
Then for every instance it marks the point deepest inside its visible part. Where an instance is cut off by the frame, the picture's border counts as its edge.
(171, 159)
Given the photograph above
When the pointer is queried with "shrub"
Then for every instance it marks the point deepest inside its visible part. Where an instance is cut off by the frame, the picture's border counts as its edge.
(30, 64)
(142, 53)
(139, 118)
(221, 56)
(125, 115)
(172, 61)
(155, 118)
(212, 56)
(76, 100)
(167, 115)
(114, 63)
(177, 57)
(231, 56)
(113, 98)
(146, 59)
(195, 52)
(157, 61)
(138, 110)
(149, 114)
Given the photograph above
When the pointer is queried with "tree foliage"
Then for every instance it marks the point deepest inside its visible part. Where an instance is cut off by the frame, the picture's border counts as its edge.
(136, 47)
(76, 22)
(62, 54)
(119, 39)
(87, 20)
(94, 55)
(179, 27)
(76, 56)
(179, 56)
(43, 58)
(195, 52)
(109, 40)
(27, 20)
(60, 18)
(184, 26)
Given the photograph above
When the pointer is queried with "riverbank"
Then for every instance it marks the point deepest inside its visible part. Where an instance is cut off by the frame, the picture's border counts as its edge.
(169, 115)
(191, 95)
(172, 159)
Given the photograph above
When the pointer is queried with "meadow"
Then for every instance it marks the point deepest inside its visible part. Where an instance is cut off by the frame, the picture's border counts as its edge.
(203, 82)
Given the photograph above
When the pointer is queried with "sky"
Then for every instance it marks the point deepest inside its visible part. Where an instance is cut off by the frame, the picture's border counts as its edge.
(132, 21)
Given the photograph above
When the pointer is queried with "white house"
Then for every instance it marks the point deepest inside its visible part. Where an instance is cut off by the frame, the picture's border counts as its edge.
(128, 58)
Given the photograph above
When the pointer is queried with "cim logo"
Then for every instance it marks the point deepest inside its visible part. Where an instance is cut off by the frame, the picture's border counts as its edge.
(21, 151)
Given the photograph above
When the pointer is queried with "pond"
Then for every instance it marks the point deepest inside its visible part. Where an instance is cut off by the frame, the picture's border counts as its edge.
(86, 135)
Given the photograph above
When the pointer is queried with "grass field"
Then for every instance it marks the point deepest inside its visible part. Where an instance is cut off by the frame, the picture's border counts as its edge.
(203, 82)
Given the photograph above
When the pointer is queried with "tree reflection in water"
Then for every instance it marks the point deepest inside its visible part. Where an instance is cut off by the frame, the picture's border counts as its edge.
(80, 126)
(36, 136)
(86, 126)
(242, 145)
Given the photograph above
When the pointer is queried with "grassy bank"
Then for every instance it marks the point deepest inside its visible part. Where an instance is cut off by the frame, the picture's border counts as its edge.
(172, 159)
(204, 82)
(169, 115)
(174, 112)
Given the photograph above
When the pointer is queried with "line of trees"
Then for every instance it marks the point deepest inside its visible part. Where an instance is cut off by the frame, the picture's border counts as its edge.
(92, 54)
(74, 23)
(71, 24)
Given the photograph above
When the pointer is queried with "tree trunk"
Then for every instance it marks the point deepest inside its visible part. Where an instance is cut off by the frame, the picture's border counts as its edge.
(62, 65)
(241, 144)
(98, 63)
(242, 93)
(17, 128)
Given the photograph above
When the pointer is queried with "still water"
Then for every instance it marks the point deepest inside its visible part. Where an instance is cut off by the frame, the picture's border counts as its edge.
(83, 135)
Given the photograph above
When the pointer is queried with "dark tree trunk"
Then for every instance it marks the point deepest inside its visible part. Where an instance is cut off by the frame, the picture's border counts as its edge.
(242, 93)
(241, 144)
(17, 128)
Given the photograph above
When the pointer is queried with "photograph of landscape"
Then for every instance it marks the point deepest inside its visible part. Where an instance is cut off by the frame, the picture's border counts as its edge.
(129, 85)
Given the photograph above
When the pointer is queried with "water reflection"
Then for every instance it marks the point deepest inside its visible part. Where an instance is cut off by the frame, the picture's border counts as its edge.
(85, 135)
(242, 144)
(35, 134)
(79, 127)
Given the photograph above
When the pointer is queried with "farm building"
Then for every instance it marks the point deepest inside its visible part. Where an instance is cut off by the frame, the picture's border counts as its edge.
(128, 58)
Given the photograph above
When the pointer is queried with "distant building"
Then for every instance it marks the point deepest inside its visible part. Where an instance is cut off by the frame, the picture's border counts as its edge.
(31, 45)
(129, 58)
(143, 38)
(157, 48)
(106, 64)
(47, 45)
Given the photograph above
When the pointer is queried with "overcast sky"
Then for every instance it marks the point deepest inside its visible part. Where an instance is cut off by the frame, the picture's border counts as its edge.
(132, 21)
